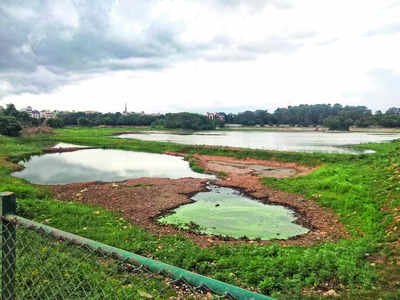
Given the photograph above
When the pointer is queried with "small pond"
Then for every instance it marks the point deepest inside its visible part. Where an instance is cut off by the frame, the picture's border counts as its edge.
(272, 140)
(103, 165)
(225, 211)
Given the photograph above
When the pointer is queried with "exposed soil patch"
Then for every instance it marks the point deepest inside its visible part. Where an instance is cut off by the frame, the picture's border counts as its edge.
(249, 166)
(68, 149)
(143, 200)
(37, 130)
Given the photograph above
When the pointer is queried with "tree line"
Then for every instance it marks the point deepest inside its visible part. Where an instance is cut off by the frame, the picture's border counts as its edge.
(12, 121)
(335, 117)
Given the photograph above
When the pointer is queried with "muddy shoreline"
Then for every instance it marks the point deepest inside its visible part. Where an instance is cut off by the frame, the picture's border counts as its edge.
(142, 200)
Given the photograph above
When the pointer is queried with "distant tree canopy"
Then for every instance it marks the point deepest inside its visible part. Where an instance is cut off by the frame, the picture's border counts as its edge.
(335, 117)
(54, 123)
(187, 120)
(108, 119)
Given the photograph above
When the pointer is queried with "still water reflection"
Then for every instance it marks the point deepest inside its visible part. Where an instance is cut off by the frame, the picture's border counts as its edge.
(282, 141)
(103, 165)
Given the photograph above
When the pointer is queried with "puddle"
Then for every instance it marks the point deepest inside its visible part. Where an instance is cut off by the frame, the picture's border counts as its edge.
(225, 211)
(103, 165)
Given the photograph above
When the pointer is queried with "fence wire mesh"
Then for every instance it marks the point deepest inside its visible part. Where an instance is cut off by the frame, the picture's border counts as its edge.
(47, 267)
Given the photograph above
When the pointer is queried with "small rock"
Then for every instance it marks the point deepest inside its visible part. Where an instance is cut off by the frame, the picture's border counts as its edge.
(145, 295)
(331, 292)
(84, 190)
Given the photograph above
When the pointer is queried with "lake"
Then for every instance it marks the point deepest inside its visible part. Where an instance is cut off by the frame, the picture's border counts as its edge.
(225, 211)
(272, 140)
(103, 165)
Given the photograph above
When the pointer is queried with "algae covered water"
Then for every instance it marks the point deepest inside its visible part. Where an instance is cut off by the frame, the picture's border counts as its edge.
(226, 212)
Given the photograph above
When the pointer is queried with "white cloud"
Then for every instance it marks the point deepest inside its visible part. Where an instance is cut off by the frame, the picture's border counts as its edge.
(201, 55)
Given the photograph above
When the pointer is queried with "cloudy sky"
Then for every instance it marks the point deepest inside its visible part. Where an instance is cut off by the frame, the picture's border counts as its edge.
(198, 55)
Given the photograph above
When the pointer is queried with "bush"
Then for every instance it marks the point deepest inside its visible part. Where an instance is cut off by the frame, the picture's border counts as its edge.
(55, 123)
(337, 123)
(9, 126)
(84, 122)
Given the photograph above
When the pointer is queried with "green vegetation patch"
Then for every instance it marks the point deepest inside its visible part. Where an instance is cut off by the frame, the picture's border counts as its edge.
(363, 189)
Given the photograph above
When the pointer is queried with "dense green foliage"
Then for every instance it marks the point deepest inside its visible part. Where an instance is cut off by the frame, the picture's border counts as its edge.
(171, 120)
(9, 126)
(108, 119)
(337, 123)
(12, 120)
(355, 187)
(55, 123)
(188, 121)
(336, 117)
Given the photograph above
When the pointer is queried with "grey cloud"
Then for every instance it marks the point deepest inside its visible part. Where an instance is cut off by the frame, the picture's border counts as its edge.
(388, 29)
(40, 51)
(28, 44)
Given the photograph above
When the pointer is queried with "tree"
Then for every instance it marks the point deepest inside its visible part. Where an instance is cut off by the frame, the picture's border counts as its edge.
(85, 122)
(337, 123)
(54, 123)
(9, 126)
(189, 121)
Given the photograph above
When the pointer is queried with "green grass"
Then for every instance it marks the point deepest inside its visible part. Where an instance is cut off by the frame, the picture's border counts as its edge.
(355, 187)
(50, 269)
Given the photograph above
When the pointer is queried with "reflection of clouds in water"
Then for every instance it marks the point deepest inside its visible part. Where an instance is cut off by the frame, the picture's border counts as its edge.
(103, 165)
(66, 145)
(284, 141)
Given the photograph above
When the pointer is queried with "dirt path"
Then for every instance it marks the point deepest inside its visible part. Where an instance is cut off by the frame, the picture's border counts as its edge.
(143, 200)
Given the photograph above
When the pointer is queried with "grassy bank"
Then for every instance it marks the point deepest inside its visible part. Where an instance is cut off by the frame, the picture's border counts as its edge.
(356, 187)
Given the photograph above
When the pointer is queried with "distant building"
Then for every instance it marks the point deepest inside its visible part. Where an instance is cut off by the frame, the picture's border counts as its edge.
(89, 112)
(215, 116)
(35, 114)
(47, 114)
(125, 112)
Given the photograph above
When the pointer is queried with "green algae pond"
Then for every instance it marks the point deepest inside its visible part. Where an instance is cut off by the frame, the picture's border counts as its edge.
(225, 211)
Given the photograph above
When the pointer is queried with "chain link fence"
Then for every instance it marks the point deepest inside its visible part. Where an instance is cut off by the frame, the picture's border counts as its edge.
(36, 266)
(41, 262)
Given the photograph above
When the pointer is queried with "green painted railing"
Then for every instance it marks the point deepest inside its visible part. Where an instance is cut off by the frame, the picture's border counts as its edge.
(197, 281)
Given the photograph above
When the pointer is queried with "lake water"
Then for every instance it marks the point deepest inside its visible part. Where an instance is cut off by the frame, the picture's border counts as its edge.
(272, 140)
(224, 211)
(103, 165)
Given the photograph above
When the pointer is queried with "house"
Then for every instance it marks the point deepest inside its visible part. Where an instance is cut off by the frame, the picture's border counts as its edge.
(46, 114)
(215, 116)
(35, 114)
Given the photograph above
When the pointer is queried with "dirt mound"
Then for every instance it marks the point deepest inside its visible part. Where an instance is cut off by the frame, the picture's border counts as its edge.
(36, 130)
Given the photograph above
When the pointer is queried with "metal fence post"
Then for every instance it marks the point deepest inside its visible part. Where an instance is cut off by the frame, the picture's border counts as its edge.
(8, 245)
